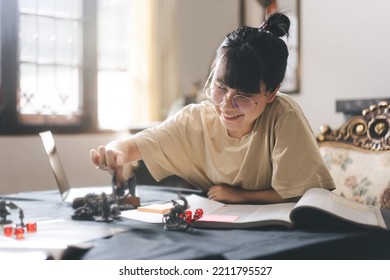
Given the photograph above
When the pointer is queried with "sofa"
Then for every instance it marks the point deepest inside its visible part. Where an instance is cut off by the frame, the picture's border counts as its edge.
(357, 155)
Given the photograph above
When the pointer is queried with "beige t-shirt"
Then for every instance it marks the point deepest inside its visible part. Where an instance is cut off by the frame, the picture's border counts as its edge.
(281, 152)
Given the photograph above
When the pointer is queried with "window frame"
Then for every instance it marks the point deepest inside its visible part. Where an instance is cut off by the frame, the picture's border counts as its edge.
(10, 122)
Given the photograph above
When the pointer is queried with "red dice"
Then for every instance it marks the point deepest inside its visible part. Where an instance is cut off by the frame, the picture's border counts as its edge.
(198, 214)
(188, 217)
(19, 233)
(31, 227)
(8, 231)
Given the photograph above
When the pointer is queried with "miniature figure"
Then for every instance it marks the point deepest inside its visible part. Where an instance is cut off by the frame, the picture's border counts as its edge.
(100, 208)
(124, 195)
(176, 218)
(88, 210)
(4, 212)
(17, 229)
(108, 210)
(107, 207)
(21, 217)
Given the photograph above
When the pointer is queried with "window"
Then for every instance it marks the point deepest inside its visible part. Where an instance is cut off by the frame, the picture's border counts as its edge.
(49, 61)
(64, 65)
(113, 64)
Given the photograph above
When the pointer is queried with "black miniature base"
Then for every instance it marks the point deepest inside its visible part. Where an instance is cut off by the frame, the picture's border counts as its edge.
(5, 222)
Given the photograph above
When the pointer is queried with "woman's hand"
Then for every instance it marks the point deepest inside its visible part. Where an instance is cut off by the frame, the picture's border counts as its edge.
(109, 160)
(116, 157)
(226, 193)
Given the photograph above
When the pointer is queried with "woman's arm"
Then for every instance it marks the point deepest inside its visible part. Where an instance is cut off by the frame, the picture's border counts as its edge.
(228, 194)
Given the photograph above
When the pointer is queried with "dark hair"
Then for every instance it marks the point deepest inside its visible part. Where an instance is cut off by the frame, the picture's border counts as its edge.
(249, 55)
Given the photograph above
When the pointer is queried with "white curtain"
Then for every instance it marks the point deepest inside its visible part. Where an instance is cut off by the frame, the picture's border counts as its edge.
(153, 62)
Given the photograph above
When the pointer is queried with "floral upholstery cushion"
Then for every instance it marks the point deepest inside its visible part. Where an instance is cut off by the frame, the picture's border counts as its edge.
(359, 175)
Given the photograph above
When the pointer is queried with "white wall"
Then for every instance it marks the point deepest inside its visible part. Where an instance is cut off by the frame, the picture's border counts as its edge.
(344, 54)
(203, 26)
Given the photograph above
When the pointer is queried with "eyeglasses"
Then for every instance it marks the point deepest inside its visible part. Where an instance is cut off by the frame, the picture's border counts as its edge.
(218, 97)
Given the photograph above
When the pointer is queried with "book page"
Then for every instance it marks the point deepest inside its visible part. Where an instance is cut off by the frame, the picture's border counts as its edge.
(208, 206)
(341, 207)
(217, 214)
(268, 214)
(273, 214)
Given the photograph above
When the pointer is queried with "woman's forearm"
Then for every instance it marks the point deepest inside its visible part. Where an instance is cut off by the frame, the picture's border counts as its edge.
(128, 147)
(229, 194)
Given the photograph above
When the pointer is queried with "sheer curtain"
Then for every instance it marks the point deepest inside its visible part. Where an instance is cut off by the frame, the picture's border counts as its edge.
(154, 75)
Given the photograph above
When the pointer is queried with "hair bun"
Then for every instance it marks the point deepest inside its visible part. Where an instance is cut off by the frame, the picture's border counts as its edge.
(278, 24)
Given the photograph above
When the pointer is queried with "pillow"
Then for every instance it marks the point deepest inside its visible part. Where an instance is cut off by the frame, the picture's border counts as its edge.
(359, 175)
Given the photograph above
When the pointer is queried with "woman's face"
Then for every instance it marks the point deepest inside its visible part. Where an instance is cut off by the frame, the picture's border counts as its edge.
(237, 122)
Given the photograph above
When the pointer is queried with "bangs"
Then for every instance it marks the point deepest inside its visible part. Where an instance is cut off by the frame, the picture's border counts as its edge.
(239, 69)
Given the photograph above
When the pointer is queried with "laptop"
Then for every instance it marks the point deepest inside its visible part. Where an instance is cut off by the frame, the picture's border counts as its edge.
(67, 193)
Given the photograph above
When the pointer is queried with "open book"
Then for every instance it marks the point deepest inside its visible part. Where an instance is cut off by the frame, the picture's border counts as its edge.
(317, 207)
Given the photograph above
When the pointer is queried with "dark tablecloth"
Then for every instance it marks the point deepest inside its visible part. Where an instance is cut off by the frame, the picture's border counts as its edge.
(150, 241)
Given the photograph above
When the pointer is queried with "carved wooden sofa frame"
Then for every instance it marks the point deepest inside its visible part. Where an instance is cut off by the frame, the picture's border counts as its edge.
(358, 156)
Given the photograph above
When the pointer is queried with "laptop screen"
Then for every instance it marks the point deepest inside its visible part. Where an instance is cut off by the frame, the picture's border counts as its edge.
(55, 163)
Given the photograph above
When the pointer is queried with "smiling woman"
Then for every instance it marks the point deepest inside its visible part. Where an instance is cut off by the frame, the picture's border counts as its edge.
(262, 153)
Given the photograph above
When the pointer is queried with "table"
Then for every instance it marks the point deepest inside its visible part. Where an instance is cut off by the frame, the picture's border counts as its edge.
(145, 241)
